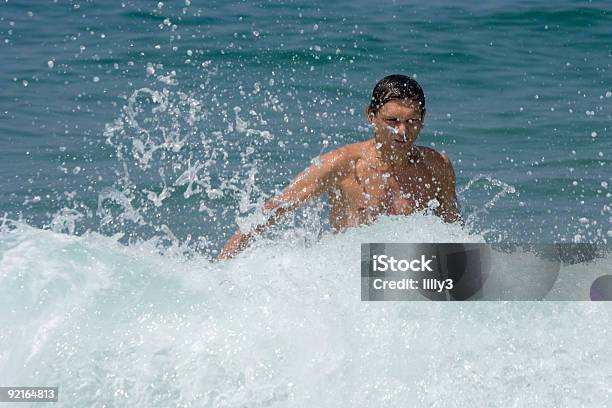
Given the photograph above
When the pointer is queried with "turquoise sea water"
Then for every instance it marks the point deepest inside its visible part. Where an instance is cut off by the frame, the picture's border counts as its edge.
(518, 94)
(135, 136)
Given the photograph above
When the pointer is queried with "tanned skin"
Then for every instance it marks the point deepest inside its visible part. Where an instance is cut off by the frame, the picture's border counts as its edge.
(387, 174)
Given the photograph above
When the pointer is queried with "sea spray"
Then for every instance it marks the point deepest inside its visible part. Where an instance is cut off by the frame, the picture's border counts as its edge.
(282, 324)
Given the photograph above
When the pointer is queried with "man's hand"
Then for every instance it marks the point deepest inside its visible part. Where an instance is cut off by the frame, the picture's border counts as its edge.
(236, 243)
(447, 196)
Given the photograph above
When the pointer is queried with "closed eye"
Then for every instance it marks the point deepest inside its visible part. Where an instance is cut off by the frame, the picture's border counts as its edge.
(395, 121)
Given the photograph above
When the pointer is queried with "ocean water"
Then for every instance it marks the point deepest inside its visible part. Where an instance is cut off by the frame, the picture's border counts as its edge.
(281, 326)
(135, 136)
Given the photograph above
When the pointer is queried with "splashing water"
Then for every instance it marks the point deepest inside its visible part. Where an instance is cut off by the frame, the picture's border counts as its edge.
(281, 325)
(116, 299)
(488, 184)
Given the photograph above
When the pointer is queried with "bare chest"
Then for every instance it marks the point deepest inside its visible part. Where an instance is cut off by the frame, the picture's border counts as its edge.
(373, 191)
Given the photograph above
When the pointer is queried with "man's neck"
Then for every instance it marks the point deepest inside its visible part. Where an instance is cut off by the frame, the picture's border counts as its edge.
(396, 159)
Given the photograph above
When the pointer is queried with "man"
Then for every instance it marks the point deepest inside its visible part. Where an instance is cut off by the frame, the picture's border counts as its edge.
(387, 174)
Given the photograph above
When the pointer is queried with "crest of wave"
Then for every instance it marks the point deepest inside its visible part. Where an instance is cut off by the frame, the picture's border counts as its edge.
(282, 325)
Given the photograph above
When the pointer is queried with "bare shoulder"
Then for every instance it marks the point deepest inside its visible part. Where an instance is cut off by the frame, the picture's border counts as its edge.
(345, 157)
(439, 162)
(433, 156)
(353, 151)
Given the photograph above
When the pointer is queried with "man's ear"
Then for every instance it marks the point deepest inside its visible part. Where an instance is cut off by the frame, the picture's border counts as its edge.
(370, 114)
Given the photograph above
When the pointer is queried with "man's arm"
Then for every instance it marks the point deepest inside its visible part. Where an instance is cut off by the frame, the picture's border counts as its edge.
(310, 183)
(447, 196)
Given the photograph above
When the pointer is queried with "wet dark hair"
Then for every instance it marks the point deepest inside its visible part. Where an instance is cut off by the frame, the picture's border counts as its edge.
(396, 87)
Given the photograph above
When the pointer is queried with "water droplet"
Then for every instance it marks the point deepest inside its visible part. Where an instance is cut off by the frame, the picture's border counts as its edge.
(50, 64)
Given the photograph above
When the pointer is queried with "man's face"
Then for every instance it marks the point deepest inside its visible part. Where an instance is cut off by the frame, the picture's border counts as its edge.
(397, 123)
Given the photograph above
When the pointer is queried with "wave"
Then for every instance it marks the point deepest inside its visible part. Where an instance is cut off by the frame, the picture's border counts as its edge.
(280, 325)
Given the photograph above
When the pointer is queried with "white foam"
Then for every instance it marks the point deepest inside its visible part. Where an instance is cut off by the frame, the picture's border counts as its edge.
(280, 325)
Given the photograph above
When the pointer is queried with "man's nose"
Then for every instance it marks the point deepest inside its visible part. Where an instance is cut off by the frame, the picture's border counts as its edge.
(402, 128)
